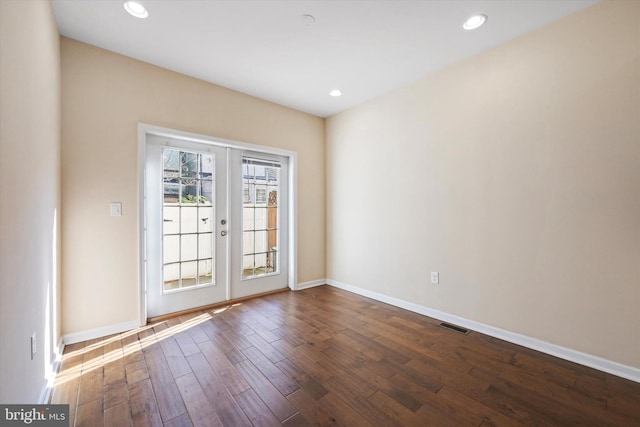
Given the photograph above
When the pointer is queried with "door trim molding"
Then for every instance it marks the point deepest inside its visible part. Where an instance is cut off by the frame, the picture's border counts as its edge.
(147, 129)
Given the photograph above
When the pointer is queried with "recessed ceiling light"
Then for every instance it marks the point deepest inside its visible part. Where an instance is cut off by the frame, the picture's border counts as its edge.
(335, 92)
(136, 9)
(474, 22)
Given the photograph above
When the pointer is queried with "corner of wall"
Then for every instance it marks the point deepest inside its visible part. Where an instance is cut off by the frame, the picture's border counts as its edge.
(29, 208)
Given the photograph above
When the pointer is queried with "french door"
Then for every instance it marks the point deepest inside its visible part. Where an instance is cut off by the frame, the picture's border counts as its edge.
(215, 224)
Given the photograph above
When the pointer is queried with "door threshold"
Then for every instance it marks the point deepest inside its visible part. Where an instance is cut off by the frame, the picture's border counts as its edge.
(212, 306)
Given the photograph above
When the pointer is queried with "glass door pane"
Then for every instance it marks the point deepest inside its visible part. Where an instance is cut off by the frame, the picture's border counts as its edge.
(260, 218)
(188, 216)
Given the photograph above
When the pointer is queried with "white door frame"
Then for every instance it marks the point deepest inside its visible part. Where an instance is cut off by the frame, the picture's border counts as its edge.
(143, 131)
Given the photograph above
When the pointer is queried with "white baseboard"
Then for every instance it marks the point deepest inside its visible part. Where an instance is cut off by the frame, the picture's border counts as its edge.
(585, 359)
(311, 284)
(100, 332)
(53, 368)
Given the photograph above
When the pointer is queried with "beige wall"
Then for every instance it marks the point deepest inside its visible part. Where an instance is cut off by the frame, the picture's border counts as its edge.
(104, 97)
(29, 196)
(516, 175)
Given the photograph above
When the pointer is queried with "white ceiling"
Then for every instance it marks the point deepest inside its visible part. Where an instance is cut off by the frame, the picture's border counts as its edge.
(263, 48)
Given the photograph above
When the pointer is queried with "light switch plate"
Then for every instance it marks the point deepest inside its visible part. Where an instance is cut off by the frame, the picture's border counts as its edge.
(115, 208)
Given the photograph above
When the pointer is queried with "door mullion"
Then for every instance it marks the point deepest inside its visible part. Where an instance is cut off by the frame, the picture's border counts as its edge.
(230, 222)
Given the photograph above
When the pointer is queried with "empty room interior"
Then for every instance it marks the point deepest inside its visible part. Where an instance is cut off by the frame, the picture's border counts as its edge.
(321, 212)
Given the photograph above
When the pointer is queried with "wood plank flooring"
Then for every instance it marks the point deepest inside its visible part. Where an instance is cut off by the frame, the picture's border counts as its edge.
(324, 357)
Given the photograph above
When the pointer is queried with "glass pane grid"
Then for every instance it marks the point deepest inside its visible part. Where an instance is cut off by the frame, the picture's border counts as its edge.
(260, 186)
(187, 219)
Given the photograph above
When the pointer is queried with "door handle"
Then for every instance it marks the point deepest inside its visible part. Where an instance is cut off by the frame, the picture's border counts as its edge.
(223, 233)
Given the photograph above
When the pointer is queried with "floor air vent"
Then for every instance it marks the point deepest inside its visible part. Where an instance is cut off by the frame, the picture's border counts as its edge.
(454, 328)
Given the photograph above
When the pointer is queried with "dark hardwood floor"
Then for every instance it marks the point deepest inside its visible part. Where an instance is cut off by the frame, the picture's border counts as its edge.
(324, 356)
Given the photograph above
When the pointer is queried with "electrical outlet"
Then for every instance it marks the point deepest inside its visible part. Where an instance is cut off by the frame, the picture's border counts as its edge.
(33, 345)
(435, 277)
